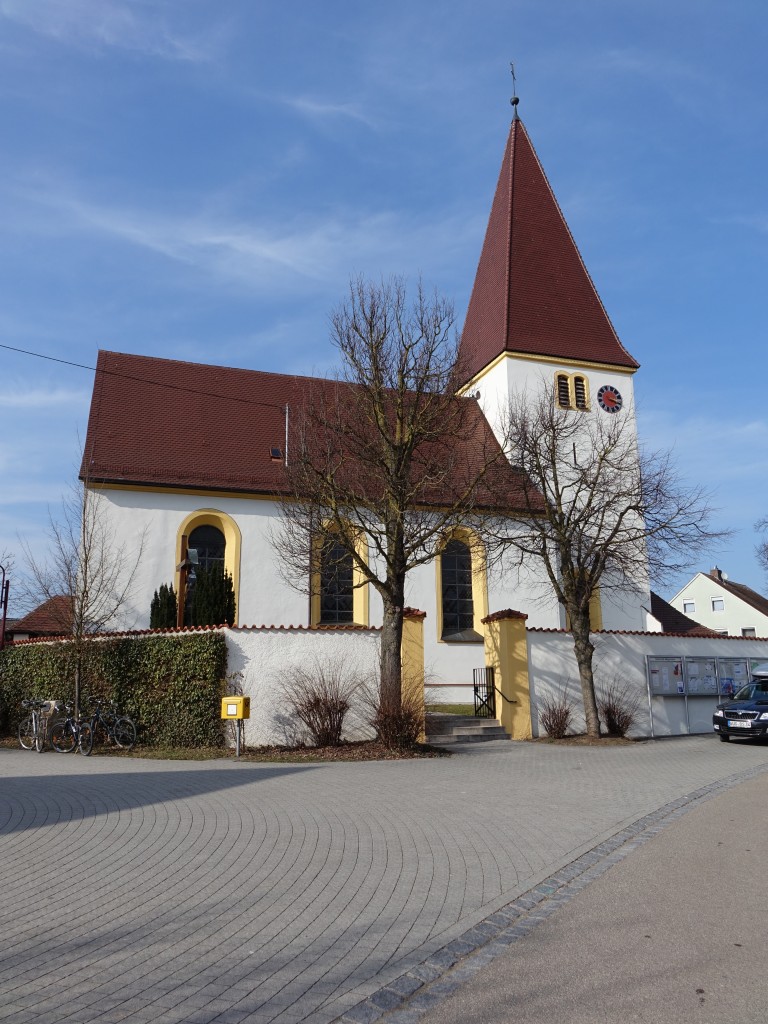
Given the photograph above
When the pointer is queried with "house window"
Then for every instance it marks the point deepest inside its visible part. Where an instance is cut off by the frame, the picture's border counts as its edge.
(722, 632)
(336, 584)
(563, 391)
(580, 392)
(718, 604)
(456, 572)
(749, 631)
(689, 607)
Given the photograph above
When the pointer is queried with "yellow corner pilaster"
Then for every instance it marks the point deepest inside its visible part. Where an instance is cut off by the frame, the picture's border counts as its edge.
(506, 651)
(412, 658)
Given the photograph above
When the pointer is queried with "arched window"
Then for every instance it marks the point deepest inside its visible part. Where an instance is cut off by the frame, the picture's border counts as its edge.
(456, 573)
(216, 538)
(339, 591)
(210, 545)
(336, 584)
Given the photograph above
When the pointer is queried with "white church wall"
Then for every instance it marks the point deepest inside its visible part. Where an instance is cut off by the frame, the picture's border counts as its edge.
(260, 659)
(264, 596)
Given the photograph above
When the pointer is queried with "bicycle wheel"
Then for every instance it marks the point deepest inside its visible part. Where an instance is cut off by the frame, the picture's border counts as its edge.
(27, 732)
(40, 734)
(124, 733)
(62, 736)
(85, 739)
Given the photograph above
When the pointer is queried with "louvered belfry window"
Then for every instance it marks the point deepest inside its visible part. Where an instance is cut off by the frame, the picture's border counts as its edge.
(580, 392)
(336, 590)
(456, 572)
(563, 392)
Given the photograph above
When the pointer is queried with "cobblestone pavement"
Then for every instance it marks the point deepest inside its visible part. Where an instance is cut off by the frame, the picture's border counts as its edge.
(193, 892)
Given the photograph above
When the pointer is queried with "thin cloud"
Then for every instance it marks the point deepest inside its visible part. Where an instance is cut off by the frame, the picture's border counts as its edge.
(104, 24)
(41, 398)
(265, 256)
(316, 110)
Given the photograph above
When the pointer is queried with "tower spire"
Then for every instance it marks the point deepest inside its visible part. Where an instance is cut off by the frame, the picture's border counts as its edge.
(514, 100)
(532, 293)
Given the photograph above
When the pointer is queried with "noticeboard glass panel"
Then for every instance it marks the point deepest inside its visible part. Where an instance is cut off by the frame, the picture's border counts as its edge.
(666, 677)
(702, 676)
(734, 673)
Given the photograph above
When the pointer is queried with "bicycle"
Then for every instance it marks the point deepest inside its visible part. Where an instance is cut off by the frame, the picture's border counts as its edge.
(70, 732)
(106, 722)
(34, 726)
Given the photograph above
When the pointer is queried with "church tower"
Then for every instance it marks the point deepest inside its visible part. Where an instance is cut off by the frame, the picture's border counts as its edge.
(534, 317)
(535, 323)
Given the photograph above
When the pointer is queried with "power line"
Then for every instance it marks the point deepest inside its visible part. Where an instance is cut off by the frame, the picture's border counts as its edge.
(143, 380)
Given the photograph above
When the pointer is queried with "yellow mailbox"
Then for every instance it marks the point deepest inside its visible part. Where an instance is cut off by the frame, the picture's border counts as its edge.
(235, 707)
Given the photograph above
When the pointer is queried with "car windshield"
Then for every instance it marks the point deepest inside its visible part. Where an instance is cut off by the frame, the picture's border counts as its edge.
(753, 691)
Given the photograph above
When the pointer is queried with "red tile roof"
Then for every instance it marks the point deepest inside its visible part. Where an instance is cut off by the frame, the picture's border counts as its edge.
(741, 590)
(532, 293)
(52, 618)
(163, 423)
(673, 621)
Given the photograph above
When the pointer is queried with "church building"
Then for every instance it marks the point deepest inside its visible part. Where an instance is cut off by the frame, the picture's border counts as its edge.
(185, 450)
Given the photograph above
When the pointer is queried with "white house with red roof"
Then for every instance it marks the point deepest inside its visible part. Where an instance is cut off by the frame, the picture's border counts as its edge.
(721, 604)
(195, 454)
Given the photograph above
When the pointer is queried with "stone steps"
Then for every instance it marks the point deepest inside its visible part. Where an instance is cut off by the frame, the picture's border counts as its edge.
(444, 730)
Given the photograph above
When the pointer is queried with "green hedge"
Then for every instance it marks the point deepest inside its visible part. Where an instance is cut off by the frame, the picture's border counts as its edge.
(170, 685)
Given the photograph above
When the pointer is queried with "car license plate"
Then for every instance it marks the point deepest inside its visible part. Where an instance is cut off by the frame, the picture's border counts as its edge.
(739, 725)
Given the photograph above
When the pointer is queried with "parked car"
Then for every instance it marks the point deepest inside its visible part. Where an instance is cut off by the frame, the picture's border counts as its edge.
(746, 714)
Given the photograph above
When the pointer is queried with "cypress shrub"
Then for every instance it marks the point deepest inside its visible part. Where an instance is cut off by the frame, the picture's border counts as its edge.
(213, 598)
(162, 612)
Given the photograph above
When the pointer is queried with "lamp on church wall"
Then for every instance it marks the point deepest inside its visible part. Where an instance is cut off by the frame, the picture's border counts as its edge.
(185, 568)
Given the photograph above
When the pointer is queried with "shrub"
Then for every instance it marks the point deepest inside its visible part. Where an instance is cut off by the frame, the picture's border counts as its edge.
(212, 600)
(170, 685)
(399, 727)
(162, 612)
(320, 697)
(556, 714)
(618, 704)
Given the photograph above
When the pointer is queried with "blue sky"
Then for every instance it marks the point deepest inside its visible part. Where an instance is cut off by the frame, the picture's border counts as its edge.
(199, 180)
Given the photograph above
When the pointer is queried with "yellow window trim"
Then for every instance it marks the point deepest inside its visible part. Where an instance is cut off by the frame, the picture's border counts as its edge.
(479, 579)
(360, 588)
(232, 542)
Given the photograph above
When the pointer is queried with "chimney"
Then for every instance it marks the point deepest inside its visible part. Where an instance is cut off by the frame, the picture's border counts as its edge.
(715, 573)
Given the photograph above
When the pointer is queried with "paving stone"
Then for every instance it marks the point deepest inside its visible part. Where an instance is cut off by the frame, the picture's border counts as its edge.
(279, 893)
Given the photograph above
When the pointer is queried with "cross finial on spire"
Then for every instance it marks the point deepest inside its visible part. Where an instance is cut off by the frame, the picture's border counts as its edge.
(514, 100)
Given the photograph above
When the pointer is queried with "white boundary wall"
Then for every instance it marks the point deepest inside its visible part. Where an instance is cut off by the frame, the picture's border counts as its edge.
(262, 656)
(622, 656)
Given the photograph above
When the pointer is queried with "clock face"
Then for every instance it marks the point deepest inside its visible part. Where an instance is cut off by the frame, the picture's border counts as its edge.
(609, 399)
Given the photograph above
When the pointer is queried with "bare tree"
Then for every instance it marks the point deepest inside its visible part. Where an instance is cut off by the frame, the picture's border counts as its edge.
(6, 569)
(762, 548)
(385, 460)
(86, 575)
(603, 514)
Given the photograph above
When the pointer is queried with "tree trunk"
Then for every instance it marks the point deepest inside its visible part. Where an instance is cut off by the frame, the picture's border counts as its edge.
(390, 685)
(584, 649)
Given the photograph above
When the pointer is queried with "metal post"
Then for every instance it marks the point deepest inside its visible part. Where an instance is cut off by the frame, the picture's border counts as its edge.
(239, 726)
(4, 605)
